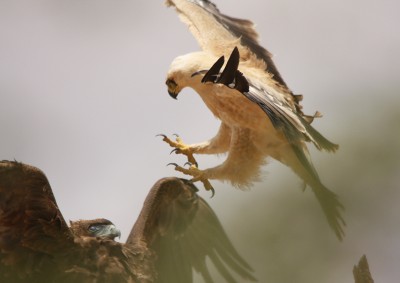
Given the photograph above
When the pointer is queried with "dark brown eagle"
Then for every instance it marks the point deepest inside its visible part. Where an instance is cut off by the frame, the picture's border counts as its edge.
(174, 234)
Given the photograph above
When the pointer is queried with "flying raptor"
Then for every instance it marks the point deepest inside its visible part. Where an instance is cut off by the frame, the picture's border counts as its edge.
(260, 116)
(174, 234)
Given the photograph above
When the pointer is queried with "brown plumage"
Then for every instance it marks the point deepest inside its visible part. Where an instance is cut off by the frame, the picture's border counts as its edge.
(173, 235)
(99, 227)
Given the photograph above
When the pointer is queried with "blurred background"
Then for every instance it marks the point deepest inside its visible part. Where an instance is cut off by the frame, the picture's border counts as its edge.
(82, 96)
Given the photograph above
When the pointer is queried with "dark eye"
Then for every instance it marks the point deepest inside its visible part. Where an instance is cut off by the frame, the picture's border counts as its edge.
(94, 228)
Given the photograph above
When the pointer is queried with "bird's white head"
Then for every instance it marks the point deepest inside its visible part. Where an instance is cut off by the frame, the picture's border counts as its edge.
(182, 71)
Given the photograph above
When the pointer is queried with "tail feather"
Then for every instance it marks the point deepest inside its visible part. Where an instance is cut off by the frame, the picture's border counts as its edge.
(332, 207)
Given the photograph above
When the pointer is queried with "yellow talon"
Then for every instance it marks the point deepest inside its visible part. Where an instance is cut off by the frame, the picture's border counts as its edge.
(207, 185)
(197, 174)
(180, 147)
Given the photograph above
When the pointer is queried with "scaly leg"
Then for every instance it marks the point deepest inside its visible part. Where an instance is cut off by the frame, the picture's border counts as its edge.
(240, 168)
(180, 147)
(219, 144)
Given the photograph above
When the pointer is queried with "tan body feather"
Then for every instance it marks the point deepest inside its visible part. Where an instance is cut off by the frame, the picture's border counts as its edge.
(265, 121)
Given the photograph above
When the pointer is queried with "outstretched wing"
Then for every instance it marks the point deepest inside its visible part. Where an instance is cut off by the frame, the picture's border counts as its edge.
(183, 231)
(32, 228)
(218, 33)
(36, 245)
(295, 126)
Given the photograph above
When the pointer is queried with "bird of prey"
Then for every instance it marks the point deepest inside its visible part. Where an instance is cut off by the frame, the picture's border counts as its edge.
(175, 233)
(260, 116)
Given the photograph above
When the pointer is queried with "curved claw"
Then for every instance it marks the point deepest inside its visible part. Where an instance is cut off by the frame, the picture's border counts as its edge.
(176, 135)
(212, 192)
(174, 150)
(176, 165)
(207, 185)
(188, 163)
(161, 135)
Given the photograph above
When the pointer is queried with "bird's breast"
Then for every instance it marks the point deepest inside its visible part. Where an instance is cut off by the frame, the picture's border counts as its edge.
(233, 108)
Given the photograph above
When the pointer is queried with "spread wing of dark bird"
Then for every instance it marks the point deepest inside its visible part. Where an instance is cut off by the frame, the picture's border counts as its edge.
(183, 231)
(36, 244)
(174, 234)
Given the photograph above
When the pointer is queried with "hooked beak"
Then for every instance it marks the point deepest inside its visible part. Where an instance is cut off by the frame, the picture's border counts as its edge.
(172, 88)
(172, 94)
(114, 232)
(111, 232)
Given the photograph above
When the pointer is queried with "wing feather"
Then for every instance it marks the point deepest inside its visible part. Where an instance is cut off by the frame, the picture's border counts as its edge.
(32, 228)
(217, 33)
(228, 75)
(183, 231)
(36, 245)
(294, 125)
(282, 116)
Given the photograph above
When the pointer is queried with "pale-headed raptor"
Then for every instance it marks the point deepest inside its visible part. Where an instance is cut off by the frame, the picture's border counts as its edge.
(174, 234)
(260, 116)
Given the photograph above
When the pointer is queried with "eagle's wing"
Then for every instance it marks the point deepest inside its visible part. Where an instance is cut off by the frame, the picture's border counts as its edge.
(32, 228)
(218, 33)
(293, 125)
(183, 231)
(36, 245)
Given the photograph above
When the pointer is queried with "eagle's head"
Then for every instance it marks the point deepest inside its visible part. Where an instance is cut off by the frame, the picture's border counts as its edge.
(101, 228)
(184, 71)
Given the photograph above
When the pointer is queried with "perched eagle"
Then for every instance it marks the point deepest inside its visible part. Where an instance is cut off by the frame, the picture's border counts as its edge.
(175, 233)
(260, 116)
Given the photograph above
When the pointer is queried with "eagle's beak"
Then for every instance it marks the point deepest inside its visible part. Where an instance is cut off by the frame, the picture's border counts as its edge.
(115, 232)
(111, 232)
(172, 94)
(172, 88)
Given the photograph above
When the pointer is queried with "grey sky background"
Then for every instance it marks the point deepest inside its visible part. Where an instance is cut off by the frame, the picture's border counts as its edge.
(82, 96)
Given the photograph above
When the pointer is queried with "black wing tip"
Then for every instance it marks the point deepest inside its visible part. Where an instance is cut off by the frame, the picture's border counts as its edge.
(241, 83)
(228, 75)
(235, 52)
(213, 72)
